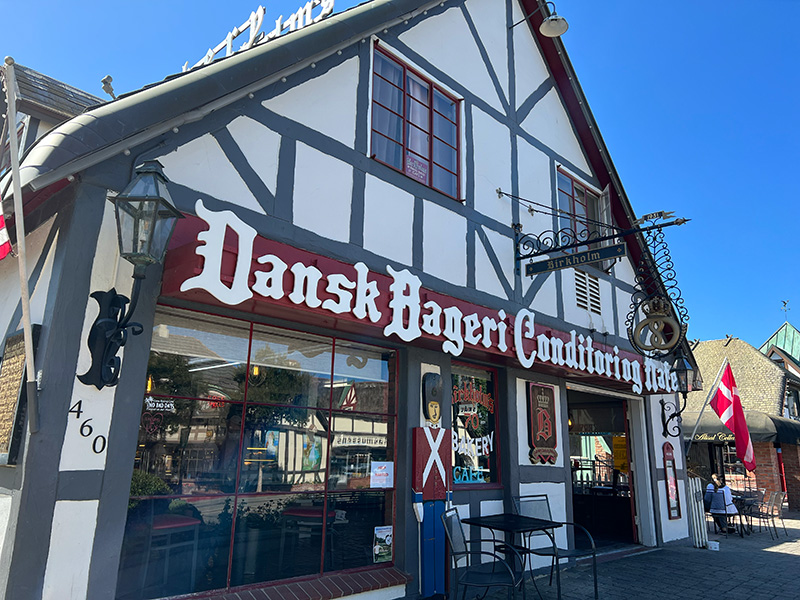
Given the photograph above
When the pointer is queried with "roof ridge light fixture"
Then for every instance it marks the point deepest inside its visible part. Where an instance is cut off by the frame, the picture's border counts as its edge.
(553, 25)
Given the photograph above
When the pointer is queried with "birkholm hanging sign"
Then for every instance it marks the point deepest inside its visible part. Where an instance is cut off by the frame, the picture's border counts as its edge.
(264, 276)
(575, 260)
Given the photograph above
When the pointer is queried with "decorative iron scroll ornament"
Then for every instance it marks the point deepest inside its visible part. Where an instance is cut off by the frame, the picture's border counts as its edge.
(656, 297)
(108, 334)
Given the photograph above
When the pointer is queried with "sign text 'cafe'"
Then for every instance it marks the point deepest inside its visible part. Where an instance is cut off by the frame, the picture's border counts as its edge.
(401, 304)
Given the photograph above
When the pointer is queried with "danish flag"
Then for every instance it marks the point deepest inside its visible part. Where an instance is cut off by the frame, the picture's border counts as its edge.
(728, 406)
(5, 243)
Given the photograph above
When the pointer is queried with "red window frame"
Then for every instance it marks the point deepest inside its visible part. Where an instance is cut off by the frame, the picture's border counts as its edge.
(575, 201)
(407, 123)
(390, 414)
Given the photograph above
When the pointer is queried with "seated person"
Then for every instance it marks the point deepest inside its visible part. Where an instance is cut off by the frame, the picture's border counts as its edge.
(719, 501)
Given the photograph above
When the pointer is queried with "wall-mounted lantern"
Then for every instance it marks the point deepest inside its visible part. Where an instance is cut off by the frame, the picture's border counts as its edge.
(553, 25)
(685, 374)
(146, 220)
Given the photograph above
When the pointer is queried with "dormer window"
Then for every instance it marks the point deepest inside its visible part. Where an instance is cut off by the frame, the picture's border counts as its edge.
(415, 125)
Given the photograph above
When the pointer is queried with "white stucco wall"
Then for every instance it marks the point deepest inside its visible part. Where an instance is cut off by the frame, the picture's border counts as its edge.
(9, 279)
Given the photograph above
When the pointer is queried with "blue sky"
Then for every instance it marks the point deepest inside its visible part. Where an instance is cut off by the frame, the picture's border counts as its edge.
(697, 103)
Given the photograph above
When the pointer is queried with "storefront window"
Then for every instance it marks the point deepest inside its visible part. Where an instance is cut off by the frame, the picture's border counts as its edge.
(475, 448)
(262, 455)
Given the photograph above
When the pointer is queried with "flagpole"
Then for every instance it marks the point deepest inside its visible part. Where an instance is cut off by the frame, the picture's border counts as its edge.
(19, 221)
(708, 398)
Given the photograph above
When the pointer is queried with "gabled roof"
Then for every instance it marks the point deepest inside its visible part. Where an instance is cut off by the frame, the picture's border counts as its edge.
(787, 338)
(44, 97)
(761, 382)
(132, 119)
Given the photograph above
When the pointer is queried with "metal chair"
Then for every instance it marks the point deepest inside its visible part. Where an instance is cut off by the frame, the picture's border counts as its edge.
(468, 568)
(765, 512)
(538, 506)
(777, 512)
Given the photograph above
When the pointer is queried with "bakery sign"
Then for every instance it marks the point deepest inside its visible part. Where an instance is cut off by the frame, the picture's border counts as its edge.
(250, 271)
(542, 438)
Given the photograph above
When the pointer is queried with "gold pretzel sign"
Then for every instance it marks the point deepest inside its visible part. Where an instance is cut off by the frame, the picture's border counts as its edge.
(659, 331)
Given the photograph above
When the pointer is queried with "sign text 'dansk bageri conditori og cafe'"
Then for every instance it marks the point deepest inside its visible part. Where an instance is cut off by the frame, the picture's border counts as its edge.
(263, 270)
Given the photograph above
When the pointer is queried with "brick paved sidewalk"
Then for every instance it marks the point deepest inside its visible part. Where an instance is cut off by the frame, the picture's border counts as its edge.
(751, 568)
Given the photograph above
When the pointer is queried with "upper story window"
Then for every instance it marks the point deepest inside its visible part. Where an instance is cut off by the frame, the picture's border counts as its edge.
(580, 202)
(415, 125)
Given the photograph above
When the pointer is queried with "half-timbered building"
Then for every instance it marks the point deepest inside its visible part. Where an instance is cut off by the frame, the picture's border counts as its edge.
(345, 272)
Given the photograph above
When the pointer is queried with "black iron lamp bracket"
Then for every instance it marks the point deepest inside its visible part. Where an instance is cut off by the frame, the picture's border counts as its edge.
(108, 334)
(671, 417)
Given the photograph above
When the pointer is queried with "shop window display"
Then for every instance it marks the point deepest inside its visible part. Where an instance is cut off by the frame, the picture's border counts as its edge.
(254, 460)
(475, 445)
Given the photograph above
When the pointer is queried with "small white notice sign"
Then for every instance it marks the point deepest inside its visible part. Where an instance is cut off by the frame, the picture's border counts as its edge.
(381, 474)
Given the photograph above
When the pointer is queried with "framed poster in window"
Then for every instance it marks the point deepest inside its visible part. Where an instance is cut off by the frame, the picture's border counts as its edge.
(474, 424)
(673, 501)
(542, 435)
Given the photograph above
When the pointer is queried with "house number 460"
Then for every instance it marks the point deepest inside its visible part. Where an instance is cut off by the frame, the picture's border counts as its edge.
(86, 430)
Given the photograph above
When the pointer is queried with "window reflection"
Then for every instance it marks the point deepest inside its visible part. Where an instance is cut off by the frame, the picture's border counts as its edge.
(192, 446)
(174, 546)
(197, 357)
(277, 431)
(287, 528)
(363, 376)
(356, 516)
(286, 449)
(289, 369)
(358, 440)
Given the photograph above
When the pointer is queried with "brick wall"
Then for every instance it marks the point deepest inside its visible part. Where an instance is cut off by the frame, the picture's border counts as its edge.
(791, 467)
(768, 473)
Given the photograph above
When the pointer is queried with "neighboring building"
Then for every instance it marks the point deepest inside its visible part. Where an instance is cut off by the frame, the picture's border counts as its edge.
(42, 104)
(768, 392)
(783, 347)
(343, 240)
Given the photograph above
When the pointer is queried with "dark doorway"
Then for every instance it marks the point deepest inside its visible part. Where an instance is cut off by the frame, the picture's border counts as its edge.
(600, 456)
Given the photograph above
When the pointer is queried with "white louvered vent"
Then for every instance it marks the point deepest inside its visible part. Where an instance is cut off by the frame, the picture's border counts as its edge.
(587, 291)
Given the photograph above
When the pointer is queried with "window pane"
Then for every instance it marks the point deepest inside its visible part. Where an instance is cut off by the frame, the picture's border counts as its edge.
(387, 151)
(198, 356)
(388, 69)
(418, 141)
(418, 114)
(186, 447)
(444, 105)
(357, 441)
(388, 95)
(280, 536)
(418, 88)
(388, 123)
(444, 129)
(565, 205)
(474, 415)
(444, 155)
(285, 450)
(445, 181)
(175, 546)
(289, 368)
(564, 183)
(362, 533)
(363, 378)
